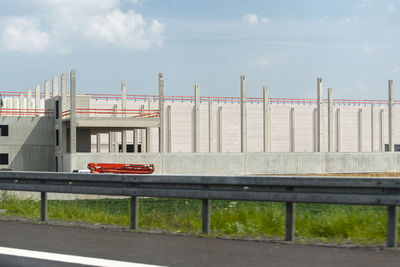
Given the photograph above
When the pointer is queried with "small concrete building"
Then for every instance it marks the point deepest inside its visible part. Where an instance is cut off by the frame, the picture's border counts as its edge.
(63, 131)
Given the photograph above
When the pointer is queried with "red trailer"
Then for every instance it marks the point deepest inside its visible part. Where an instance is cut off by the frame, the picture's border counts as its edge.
(121, 168)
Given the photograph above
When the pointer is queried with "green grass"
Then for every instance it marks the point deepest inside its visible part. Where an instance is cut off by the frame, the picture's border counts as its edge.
(330, 223)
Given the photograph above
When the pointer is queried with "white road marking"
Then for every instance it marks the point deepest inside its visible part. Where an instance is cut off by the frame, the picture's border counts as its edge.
(69, 258)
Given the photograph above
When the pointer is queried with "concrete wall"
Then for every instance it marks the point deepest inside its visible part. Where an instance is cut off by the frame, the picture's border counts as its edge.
(30, 143)
(251, 163)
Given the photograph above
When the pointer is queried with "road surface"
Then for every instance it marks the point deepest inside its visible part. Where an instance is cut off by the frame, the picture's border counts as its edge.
(172, 250)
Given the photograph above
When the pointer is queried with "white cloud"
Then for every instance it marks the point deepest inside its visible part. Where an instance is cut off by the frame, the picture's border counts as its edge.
(24, 34)
(254, 19)
(250, 18)
(391, 8)
(126, 29)
(368, 49)
(66, 21)
(395, 69)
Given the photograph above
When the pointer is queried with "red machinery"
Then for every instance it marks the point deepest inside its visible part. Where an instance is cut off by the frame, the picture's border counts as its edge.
(121, 168)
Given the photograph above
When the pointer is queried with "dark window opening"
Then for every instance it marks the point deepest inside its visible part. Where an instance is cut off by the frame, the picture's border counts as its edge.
(3, 158)
(56, 164)
(57, 109)
(4, 130)
(57, 137)
(396, 147)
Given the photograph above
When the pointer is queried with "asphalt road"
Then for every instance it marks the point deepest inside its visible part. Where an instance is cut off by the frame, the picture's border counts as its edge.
(171, 250)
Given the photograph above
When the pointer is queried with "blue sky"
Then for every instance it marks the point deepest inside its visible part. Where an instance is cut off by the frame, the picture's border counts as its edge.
(353, 45)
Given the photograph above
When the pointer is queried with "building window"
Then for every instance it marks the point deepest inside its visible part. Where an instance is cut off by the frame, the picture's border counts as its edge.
(4, 130)
(57, 137)
(57, 109)
(3, 159)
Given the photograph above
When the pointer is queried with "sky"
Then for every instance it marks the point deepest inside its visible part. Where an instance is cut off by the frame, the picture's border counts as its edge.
(353, 45)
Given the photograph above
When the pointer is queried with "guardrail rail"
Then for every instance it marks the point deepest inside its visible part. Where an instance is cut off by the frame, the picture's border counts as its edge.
(291, 190)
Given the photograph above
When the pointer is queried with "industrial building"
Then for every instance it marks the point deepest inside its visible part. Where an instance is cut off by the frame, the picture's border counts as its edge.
(62, 131)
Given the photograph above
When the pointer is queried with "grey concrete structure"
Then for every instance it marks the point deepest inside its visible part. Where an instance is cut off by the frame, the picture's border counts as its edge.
(390, 115)
(161, 113)
(266, 121)
(320, 117)
(243, 115)
(54, 86)
(280, 136)
(46, 89)
(196, 137)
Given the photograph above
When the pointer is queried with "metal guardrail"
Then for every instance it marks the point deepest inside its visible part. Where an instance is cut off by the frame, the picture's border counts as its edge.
(329, 190)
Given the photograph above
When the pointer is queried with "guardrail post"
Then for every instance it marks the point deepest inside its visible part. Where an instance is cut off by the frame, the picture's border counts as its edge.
(43, 206)
(393, 215)
(206, 216)
(134, 213)
(290, 221)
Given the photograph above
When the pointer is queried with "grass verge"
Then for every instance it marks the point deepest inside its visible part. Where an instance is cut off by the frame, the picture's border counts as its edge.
(364, 225)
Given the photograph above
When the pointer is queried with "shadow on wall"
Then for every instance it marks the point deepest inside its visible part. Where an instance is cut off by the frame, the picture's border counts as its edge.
(30, 143)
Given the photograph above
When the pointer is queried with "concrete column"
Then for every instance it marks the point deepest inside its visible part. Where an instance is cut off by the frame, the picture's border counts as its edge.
(320, 117)
(360, 131)
(64, 91)
(21, 104)
(55, 86)
(196, 137)
(73, 112)
(243, 115)
(123, 98)
(210, 127)
(123, 141)
(136, 140)
(330, 120)
(114, 135)
(372, 127)
(123, 107)
(292, 131)
(315, 130)
(381, 138)
(46, 89)
(142, 133)
(338, 134)
(29, 100)
(390, 116)
(161, 137)
(266, 121)
(148, 140)
(110, 142)
(98, 143)
(37, 97)
(220, 135)
(15, 105)
(169, 128)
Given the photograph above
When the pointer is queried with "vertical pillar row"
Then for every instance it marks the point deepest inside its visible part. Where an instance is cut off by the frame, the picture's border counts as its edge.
(21, 104)
(123, 107)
